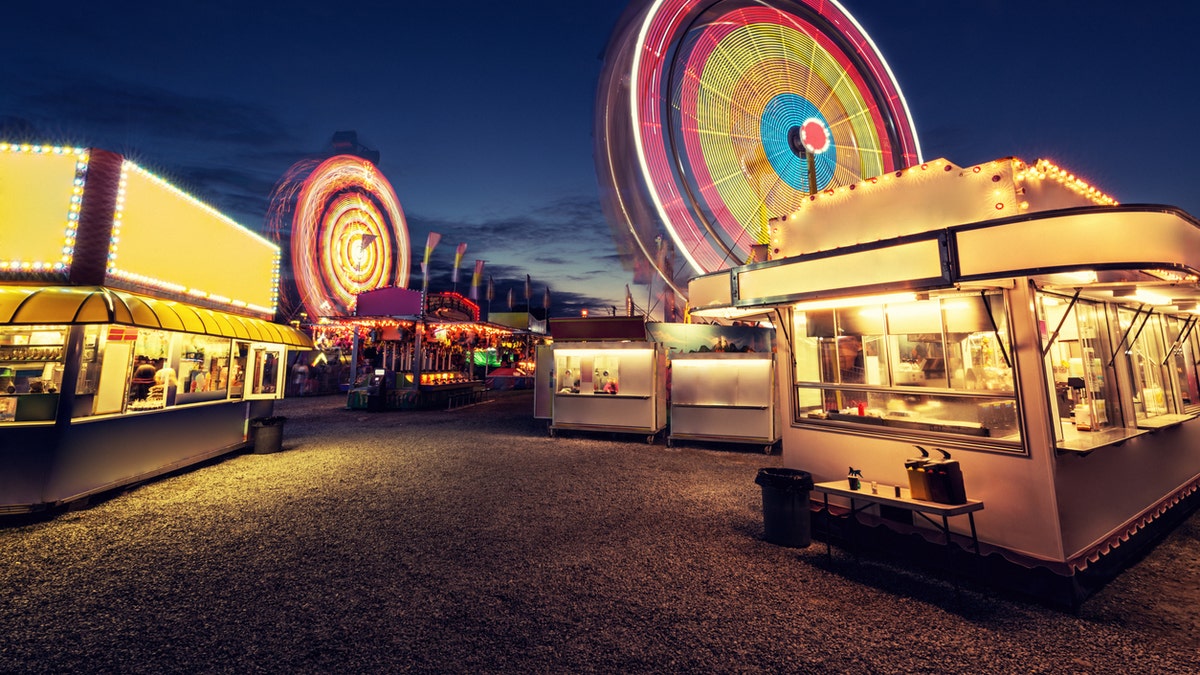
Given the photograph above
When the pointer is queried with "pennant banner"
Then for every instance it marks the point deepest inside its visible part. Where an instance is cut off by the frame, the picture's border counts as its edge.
(458, 256)
(430, 242)
(476, 279)
(528, 289)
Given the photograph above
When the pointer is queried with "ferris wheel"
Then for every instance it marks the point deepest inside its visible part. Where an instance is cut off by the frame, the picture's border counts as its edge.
(347, 232)
(716, 117)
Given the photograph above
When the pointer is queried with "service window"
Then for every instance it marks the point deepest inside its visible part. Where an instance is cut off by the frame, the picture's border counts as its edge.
(31, 369)
(939, 365)
(153, 381)
(1153, 390)
(1079, 356)
(239, 359)
(1183, 359)
(569, 369)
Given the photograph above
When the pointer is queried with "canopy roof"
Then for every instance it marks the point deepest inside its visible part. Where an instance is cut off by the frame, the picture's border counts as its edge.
(26, 305)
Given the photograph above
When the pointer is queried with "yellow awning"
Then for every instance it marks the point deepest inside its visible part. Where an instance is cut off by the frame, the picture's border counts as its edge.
(25, 305)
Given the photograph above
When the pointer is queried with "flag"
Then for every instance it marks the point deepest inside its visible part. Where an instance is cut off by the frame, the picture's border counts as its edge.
(546, 299)
(475, 279)
(510, 299)
(528, 289)
(431, 241)
(458, 256)
(491, 289)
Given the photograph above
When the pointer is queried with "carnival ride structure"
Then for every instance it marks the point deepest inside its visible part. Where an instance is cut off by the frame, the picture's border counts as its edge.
(341, 222)
(715, 119)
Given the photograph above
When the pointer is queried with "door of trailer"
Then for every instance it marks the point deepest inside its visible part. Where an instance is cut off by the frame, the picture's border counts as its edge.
(264, 371)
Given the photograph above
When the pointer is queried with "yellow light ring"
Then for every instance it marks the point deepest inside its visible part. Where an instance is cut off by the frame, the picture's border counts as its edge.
(348, 236)
(349, 265)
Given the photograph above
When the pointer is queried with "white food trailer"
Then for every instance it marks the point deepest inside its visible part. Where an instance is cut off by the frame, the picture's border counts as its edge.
(1007, 313)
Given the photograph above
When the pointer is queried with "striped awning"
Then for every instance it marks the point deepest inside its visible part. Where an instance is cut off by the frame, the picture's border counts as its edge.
(49, 305)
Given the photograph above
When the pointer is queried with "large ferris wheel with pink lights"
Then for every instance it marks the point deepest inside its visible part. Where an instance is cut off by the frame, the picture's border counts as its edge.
(715, 118)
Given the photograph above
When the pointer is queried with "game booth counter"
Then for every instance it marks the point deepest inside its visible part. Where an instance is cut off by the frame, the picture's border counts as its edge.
(407, 357)
(119, 358)
(1007, 313)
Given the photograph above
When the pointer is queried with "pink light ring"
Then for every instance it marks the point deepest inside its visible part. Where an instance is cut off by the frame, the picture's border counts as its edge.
(660, 177)
(663, 18)
(693, 247)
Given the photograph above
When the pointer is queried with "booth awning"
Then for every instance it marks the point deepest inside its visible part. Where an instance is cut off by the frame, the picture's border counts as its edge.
(1126, 248)
(26, 305)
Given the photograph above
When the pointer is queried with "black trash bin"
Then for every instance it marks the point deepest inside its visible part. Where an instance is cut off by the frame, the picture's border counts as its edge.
(267, 434)
(787, 520)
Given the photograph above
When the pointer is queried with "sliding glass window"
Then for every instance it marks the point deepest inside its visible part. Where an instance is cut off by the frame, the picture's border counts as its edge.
(940, 365)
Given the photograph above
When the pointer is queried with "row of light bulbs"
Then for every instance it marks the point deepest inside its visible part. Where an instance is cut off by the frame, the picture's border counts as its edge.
(68, 248)
(1044, 169)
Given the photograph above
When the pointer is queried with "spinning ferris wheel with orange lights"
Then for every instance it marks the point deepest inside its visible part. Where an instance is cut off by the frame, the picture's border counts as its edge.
(347, 233)
(716, 117)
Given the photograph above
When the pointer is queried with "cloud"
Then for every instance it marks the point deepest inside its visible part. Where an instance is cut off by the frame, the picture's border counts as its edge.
(566, 240)
(227, 153)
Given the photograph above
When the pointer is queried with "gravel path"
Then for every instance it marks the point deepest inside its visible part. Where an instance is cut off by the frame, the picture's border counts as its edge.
(472, 542)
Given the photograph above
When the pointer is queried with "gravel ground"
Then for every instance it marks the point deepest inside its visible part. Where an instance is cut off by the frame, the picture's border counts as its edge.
(471, 541)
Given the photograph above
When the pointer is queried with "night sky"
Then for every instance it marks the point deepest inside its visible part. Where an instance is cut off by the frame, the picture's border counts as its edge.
(482, 111)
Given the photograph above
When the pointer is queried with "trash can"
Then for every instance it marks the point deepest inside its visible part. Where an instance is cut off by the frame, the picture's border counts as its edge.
(787, 520)
(267, 434)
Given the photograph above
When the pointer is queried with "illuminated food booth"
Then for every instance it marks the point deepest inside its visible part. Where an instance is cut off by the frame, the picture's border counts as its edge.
(722, 383)
(607, 376)
(1008, 314)
(135, 332)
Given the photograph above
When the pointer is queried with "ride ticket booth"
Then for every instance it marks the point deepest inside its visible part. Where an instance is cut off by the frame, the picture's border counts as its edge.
(123, 353)
(1007, 313)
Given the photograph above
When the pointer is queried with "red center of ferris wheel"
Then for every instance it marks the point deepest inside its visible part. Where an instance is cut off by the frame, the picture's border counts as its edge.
(815, 136)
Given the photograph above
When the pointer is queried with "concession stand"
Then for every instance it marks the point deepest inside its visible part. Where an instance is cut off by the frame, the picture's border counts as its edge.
(721, 387)
(606, 376)
(1008, 314)
(135, 327)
